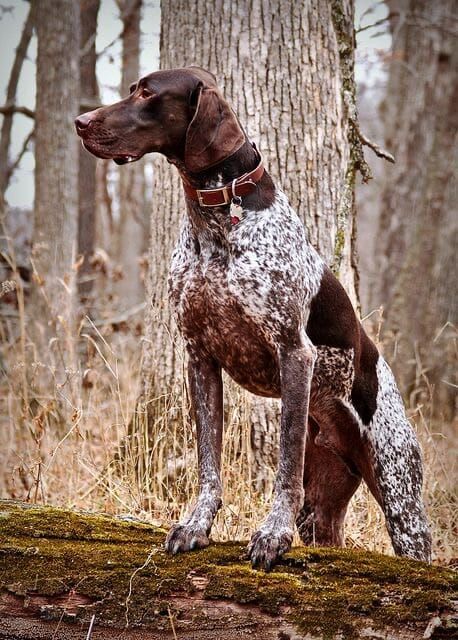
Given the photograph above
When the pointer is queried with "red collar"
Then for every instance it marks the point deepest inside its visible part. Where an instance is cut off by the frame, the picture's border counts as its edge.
(241, 186)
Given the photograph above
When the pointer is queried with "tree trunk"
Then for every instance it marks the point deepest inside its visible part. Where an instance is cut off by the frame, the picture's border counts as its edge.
(418, 230)
(291, 83)
(132, 228)
(51, 308)
(87, 163)
(60, 569)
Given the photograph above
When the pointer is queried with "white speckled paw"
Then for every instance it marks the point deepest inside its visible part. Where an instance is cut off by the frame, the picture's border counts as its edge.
(267, 547)
(185, 537)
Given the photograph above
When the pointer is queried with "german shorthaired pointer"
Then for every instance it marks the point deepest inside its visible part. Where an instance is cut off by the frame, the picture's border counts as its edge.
(254, 298)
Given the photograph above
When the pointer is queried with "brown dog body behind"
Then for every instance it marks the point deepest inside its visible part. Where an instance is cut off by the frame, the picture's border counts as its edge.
(252, 297)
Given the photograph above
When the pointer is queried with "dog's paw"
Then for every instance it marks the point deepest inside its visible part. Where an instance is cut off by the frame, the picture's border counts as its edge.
(185, 537)
(267, 546)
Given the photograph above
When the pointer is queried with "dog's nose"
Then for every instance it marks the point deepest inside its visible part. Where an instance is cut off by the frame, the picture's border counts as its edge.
(83, 121)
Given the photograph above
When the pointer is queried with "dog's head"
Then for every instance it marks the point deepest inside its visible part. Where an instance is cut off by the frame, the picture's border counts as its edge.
(179, 113)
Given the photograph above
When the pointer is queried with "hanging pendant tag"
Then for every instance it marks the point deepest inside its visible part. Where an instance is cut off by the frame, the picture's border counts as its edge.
(236, 209)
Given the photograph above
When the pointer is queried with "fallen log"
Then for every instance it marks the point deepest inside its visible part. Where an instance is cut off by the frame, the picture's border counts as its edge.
(69, 575)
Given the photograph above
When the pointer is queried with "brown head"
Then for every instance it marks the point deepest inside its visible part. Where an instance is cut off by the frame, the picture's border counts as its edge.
(180, 113)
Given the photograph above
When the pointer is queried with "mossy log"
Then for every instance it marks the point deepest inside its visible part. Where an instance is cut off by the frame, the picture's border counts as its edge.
(60, 570)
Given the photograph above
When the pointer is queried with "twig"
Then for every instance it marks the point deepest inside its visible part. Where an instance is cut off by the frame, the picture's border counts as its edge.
(12, 168)
(120, 317)
(171, 624)
(381, 153)
(91, 624)
(131, 579)
(87, 46)
(373, 24)
(9, 109)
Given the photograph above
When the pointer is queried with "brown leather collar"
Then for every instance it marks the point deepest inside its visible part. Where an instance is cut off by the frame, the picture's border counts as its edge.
(241, 186)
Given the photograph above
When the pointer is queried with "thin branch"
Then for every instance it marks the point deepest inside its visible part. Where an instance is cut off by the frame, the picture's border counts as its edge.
(10, 109)
(370, 9)
(87, 47)
(109, 45)
(381, 153)
(373, 24)
(25, 145)
(120, 317)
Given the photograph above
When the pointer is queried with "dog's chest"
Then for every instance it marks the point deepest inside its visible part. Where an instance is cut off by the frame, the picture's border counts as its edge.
(218, 314)
(243, 297)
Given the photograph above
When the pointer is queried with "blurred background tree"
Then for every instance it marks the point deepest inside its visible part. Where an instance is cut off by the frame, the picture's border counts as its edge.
(89, 99)
(417, 235)
(132, 234)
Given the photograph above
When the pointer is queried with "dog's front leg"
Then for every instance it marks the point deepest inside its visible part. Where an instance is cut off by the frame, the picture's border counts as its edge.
(206, 388)
(275, 535)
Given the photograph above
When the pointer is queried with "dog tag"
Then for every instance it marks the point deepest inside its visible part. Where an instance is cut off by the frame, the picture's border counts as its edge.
(236, 210)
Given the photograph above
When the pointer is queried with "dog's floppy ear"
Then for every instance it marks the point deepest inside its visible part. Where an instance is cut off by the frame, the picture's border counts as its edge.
(214, 133)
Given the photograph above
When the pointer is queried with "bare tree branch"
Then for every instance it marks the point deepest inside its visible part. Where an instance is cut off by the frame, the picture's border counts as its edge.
(25, 145)
(381, 153)
(373, 24)
(87, 46)
(10, 109)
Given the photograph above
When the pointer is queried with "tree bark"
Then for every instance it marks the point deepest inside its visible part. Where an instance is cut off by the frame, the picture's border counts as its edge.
(290, 81)
(60, 569)
(51, 308)
(418, 229)
(87, 163)
(132, 228)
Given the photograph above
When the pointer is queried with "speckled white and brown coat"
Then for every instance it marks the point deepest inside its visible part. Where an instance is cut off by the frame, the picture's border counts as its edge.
(255, 299)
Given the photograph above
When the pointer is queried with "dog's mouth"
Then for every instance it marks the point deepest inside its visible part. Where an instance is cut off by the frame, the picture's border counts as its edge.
(125, 159)
(99, 152)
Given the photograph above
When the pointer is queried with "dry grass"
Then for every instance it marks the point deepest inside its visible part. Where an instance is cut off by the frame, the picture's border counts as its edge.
(61, 429)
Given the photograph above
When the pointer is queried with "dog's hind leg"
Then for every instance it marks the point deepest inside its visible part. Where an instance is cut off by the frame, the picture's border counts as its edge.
(395, 470)
(329, 484)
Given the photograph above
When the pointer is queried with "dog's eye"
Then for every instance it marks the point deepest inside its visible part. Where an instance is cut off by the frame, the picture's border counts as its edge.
(145, 94)
(132, 87)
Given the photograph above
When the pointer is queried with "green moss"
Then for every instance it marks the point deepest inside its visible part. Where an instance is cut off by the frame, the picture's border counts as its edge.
(49, 522)
(50, 551)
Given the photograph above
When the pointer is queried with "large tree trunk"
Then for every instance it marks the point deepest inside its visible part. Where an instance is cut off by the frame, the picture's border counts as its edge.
(290, 81)
(418, 229)
(132, 229)
(61, 571)
(51, 309)
(87, 163)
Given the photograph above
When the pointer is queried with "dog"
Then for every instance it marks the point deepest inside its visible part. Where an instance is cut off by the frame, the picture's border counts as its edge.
(253, 297)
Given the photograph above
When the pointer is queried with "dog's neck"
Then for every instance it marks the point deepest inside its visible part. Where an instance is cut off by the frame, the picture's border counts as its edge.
(214, 223)
(212, 226)
(242, 161)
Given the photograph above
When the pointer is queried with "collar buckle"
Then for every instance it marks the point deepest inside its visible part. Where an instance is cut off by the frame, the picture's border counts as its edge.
(201, 193)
